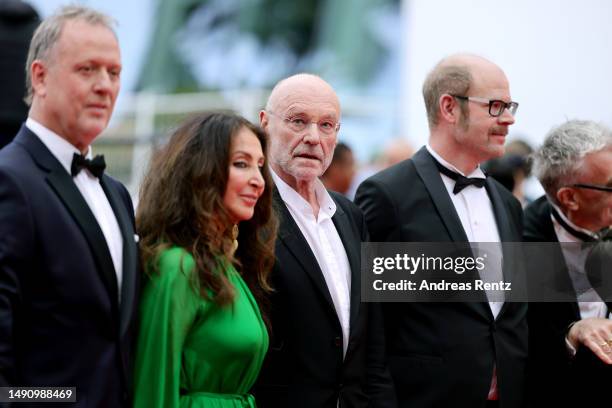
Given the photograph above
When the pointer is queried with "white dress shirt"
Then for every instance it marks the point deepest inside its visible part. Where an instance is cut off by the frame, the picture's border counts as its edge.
(590, 303)
(90, 189)
(326, 245)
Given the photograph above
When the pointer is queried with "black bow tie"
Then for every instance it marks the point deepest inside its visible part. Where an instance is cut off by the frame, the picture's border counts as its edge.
(95, 166)
(461, 181)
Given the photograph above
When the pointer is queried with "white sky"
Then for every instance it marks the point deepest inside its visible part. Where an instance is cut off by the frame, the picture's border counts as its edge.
(554, 52)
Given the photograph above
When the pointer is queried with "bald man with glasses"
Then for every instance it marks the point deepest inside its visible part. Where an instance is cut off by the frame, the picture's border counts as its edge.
(324, 350)
(470, 354)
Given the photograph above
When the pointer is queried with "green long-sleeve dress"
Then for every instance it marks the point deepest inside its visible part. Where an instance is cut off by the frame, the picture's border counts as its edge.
(192, 352)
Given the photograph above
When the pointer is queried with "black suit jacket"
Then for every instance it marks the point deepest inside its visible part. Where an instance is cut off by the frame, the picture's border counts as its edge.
(304, 366)
(555, 378)
(61, 323)
(443, 354)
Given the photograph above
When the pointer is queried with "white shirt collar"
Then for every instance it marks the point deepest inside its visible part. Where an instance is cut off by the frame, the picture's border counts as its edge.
(298, 203)
(57, 145)
(478, 173)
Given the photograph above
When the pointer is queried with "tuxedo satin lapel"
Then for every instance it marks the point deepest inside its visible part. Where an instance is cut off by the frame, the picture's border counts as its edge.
(501, 214)
(290, 235)
(512, 261)
(70, 195)
(130, 256)
(352, 246)
(63, 185)
(41, 155)
(429, 173)
(502, 218)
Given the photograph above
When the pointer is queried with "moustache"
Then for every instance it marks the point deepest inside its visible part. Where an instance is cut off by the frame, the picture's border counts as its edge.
(499, 130)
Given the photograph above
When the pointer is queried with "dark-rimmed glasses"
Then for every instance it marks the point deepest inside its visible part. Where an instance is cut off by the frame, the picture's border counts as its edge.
(299, 123)
(496, 106)
(593, 187)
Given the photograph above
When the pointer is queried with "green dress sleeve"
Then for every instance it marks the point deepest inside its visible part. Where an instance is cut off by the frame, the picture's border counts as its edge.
(169, 307)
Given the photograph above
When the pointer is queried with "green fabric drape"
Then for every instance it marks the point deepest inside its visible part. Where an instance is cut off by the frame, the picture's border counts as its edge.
(192, 352)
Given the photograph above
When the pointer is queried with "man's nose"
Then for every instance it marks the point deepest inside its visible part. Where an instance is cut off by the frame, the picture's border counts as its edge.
(312, 133)
(103, 82)
(506, 117)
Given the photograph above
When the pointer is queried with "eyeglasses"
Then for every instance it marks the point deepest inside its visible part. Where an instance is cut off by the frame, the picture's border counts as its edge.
(593, 187)
(496, 107)
(299, 123)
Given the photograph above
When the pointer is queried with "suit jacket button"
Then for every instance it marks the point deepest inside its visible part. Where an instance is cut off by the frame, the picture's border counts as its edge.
(338, 342)
(493, 327)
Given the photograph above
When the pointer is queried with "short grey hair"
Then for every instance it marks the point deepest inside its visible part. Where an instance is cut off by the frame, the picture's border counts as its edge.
(559, 160)
(48, 33)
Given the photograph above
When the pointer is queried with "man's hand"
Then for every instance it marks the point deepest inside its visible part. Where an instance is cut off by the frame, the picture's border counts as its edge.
(594, 333)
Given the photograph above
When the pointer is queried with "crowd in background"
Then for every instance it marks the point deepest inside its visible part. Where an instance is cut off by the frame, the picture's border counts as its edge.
(236, 282)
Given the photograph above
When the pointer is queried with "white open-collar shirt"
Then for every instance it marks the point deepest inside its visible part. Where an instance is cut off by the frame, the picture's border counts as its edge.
(325, 243)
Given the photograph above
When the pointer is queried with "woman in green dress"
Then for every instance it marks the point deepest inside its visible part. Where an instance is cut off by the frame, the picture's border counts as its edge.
(202, 336)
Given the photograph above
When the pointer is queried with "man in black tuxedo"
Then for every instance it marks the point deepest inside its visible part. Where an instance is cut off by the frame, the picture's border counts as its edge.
(570, 343)
(319, 347)
(453, 354)
(68, 258)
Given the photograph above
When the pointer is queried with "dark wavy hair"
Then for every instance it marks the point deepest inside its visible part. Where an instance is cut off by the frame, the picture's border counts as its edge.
(181, 204)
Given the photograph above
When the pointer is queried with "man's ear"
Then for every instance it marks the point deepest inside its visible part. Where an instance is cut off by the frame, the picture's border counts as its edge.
(567, 197)
(448, 108)
(38, 73)
(263, 119)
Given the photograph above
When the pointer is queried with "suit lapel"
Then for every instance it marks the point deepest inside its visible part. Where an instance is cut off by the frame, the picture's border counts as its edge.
(505, 232)
(130, 258)
(70, 195)
(291, 237)
(564, 281)
(501, 215)
(63, 185)
(512, 261)
(430, 175)
(352, 247)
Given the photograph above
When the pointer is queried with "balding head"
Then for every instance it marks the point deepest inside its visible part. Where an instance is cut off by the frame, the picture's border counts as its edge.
(299, 151)
(298, 86)
(453, 75)
(460, 93)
